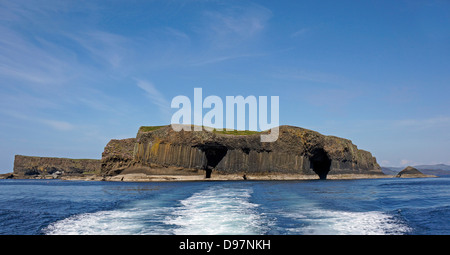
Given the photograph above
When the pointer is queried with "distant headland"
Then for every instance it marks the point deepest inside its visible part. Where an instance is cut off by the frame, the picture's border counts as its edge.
(159, 153)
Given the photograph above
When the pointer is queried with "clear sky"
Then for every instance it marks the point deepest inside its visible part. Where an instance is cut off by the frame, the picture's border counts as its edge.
(75, 74)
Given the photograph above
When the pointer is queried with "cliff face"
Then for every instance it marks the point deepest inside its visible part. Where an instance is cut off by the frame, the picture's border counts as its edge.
(118, 155)
(297, 151)
(29, 166)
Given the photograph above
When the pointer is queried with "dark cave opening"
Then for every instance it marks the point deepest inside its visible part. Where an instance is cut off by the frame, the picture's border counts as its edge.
(208, 172)
(320, 163)
(214, 154)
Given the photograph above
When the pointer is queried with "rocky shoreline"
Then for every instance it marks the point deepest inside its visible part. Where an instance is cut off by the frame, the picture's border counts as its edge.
(230, 177)
(142, 177)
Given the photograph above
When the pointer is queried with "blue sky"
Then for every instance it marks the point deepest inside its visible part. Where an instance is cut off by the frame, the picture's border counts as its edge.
(75, 74)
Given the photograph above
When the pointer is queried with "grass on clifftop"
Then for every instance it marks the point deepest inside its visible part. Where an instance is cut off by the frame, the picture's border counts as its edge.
(236, 132)
(149, 128)
(223, 132)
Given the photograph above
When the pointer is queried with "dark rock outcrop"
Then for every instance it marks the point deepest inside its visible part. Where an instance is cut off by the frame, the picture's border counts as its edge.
(118, 155)
(27, 166)
(297, 151)
(411, 172)
(7, 176)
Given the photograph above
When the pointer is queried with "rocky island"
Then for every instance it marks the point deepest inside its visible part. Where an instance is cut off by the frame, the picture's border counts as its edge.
(159, 153)
(32, 167)
(411, 172)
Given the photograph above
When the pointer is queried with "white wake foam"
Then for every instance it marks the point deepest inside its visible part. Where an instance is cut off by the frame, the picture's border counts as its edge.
(211, 211)
(139, 219)
(226, 210)
(328, 222)
(218, 211)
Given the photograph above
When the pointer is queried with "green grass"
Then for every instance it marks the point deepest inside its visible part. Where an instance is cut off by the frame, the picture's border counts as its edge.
(149, 128)
(236, 132)
(223, 132)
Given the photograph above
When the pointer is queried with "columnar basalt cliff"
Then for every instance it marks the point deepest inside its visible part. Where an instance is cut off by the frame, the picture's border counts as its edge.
(161, 151)
(27, 166)
(299, 151)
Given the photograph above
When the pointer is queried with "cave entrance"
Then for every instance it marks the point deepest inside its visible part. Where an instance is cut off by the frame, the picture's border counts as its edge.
(320, 163)
(208, 172)
(214, 154)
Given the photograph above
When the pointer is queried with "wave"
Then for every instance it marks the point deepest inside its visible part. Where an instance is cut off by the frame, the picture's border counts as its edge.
(218, 211)
(210, 212)
(331, 222)
(227, 210)
(132, 221)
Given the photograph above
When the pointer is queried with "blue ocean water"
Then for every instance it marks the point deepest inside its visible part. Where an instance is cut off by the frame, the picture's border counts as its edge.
(314, 207)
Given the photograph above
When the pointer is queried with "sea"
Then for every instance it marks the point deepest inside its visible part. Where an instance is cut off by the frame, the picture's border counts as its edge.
(390, 206)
